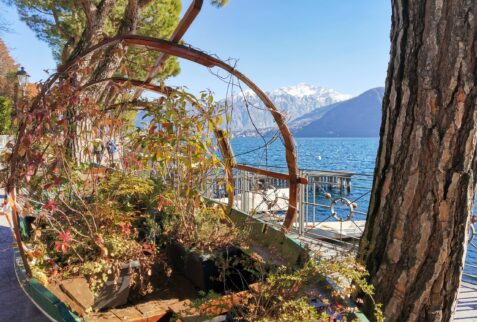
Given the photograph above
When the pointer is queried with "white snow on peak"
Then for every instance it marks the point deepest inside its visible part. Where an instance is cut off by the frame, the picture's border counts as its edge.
(294, 101)
(303, 89)
(299, 90)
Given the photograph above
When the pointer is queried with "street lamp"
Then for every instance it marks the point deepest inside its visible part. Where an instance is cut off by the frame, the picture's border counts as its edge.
(22, 76)
(22, 81)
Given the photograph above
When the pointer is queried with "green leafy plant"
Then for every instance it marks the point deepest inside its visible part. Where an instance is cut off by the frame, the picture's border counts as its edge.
(316, 292)
(5, 115)
(128, 191)
(207, 230)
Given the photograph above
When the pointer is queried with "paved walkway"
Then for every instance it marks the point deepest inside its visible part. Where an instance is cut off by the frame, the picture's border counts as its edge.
(467, 303)
(15, 305)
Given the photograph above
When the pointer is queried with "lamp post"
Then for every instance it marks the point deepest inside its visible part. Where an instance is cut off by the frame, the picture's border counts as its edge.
(22, 81)
(22, 77)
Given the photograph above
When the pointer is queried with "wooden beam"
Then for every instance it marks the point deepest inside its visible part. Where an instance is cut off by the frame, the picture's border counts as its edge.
(272, 174)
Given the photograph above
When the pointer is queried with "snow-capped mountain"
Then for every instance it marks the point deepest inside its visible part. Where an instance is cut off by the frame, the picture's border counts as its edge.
(248, 110)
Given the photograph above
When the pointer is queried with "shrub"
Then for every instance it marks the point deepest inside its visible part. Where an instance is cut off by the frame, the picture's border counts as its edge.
(203, 228)
(317, 292)
(5, 114)
(130, 192)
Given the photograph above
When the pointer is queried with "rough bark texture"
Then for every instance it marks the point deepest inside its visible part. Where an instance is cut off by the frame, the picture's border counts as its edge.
(108, 62)
(95, 19)
(415, 238)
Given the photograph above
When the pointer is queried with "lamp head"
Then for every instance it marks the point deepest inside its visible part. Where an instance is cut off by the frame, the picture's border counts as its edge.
(22, 76)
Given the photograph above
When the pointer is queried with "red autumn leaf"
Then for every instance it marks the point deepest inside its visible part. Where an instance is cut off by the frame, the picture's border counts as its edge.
(50, 205)
(65, 237)
(163, 202)
(148, 248)
(152, 128)
(63, 242)
(99, 240)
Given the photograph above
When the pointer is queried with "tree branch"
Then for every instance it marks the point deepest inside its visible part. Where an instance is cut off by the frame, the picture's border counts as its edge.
(143, 3)
(134, 105)
(92, 33)
(60, 28)
(89, 11)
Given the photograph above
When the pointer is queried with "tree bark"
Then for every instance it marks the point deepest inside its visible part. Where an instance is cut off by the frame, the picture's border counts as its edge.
(113, 56)
(107, 64)
(95, 19)
(415, 239)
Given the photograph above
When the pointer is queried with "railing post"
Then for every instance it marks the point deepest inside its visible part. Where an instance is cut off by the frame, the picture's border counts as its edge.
(301, 212)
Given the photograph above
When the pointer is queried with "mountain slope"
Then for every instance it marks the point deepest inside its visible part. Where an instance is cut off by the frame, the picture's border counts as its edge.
(293, 101)
(357, 117)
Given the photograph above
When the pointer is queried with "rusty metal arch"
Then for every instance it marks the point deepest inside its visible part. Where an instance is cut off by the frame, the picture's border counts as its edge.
(201, 58)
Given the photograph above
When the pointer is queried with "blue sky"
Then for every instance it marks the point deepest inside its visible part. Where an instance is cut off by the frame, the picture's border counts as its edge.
(338, 44)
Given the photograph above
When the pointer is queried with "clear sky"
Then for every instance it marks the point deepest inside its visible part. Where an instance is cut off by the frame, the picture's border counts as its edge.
(338, 44)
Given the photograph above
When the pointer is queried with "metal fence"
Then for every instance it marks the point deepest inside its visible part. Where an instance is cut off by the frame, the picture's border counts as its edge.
(331, 207)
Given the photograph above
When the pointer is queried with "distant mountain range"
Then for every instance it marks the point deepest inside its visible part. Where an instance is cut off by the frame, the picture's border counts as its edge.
(249, 112)
(310, 111)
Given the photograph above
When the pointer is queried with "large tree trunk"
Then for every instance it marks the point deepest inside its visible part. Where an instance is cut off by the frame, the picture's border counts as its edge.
(414, 243)
(107, 64)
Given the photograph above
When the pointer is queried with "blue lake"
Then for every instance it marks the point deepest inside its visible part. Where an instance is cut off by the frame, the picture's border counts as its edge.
(348, 154)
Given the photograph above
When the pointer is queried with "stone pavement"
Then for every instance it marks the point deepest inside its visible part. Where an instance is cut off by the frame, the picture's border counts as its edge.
(466, 303)
(16, 306)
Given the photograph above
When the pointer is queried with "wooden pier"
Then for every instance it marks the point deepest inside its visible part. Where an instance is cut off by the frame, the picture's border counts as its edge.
(466, 303)
(331, 179)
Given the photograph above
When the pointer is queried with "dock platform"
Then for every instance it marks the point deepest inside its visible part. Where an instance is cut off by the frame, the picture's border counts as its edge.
(466, 303)
(332, 179)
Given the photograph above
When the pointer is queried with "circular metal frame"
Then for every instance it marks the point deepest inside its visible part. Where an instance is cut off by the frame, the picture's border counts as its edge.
(345, 201)
(188, 53)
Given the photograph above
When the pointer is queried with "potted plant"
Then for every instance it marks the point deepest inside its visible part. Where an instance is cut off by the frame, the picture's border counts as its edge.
(80, 242)
(206, 247)
(200, 242)
(321, 290)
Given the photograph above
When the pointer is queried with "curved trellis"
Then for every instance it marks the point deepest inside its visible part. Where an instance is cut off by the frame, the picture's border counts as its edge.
(174, 49)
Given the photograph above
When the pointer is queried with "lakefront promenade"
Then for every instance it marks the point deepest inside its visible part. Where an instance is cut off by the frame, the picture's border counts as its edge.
(16, 306)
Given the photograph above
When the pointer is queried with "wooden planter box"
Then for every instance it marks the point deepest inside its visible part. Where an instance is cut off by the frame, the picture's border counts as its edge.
(204, 270)
(112, 294)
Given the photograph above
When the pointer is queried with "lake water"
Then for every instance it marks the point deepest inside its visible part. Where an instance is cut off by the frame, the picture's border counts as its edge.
(347, 154)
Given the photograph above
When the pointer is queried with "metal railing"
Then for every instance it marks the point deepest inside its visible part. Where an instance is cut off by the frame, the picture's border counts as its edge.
(331, 208)
(328, 207)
